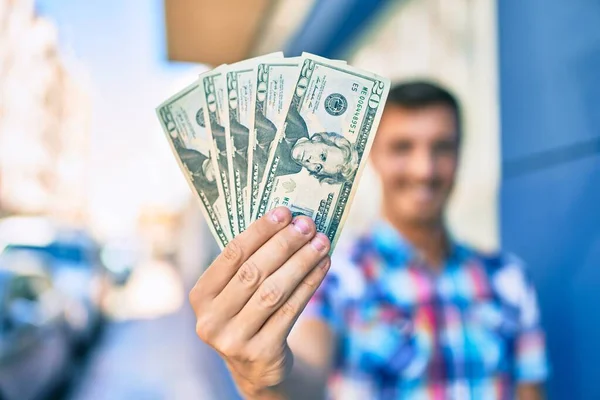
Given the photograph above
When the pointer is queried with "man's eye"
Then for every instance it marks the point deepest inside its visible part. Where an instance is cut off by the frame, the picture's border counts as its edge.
(445, 147)
(323, 157)
(400, 147)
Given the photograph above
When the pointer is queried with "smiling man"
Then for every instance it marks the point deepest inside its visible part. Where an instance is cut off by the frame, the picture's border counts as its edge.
(404, 313)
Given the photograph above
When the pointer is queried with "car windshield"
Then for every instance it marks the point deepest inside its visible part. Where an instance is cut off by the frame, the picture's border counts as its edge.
(63, 252)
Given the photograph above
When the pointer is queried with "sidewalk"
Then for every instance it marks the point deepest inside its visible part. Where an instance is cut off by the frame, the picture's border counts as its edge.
(151, 351)
(157, 359)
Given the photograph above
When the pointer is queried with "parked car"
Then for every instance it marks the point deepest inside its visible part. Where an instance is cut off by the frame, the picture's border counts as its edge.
(75, 267)
(120, 255)
(35, 348)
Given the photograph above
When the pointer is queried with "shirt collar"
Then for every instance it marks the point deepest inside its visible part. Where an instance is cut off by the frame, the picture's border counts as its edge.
(398, 252)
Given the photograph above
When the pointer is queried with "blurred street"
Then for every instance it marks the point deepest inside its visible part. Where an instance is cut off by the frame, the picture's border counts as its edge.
(148, 359)
(124, 365)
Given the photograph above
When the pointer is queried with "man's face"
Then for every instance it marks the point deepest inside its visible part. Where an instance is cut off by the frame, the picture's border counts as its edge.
(318, 157)
(416, 155)
(209, 171)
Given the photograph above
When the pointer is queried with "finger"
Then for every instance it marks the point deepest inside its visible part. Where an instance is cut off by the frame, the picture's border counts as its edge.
(277, 328)
(266, 260)
(275, 291)
(216, 277)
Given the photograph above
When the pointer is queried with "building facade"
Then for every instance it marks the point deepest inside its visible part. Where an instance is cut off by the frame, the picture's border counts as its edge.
(44, 119)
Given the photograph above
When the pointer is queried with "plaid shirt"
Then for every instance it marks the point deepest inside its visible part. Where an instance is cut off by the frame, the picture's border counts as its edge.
(470, 331)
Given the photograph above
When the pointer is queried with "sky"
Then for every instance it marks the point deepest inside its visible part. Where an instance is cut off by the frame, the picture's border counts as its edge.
(119, 47)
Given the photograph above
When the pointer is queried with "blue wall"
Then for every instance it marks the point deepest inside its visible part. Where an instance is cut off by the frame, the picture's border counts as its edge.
(550, 198)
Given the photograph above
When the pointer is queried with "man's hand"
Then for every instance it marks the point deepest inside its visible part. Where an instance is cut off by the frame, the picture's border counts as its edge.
(250, 297)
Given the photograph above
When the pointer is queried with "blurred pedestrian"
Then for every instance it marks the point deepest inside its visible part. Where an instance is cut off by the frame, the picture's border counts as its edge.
(405, 312)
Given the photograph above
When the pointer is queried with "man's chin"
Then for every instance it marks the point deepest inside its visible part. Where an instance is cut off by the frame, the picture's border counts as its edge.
(400, 208)
(420, 215)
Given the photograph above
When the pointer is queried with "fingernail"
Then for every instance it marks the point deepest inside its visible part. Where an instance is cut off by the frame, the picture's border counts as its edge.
(302, 225)
(319, 242)
(278, 214)
(324, 264)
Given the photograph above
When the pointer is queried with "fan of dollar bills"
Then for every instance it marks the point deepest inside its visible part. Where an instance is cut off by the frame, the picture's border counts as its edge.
(273, 131)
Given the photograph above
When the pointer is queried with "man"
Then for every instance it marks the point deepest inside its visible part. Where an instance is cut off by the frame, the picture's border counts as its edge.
(239, 137)
(266, 131)
(202, 172)
(328, 156)
(405, 313)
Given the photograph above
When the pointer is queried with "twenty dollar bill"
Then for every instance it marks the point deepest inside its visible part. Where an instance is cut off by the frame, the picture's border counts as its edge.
(275, 82)
(241, 88)
(216, 114)
(182, 118)
(322, 146)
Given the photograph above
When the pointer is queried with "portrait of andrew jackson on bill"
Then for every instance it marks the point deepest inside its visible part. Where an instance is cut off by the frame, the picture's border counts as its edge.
(327, 156)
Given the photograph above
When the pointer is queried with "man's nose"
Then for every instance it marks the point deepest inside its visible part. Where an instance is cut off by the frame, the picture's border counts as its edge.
(423, 165)
(313, 167)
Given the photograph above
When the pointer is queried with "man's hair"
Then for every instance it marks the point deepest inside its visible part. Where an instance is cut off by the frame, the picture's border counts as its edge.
(416, 95)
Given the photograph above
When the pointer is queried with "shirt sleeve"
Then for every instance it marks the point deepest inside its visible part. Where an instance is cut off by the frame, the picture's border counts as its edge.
(531, 363)
(530, 360)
